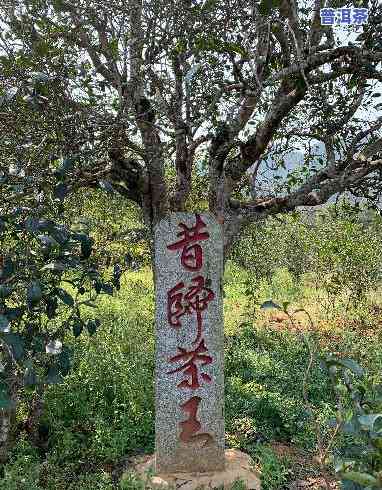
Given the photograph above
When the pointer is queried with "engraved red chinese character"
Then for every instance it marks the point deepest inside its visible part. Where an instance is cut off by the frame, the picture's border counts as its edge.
(190, 367)
(192, 254)
(192, 424)
(196, 299)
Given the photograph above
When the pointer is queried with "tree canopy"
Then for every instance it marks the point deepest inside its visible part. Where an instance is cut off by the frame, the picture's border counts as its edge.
(130, 92)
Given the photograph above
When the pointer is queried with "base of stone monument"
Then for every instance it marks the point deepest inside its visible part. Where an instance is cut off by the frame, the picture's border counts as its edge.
(238, 467)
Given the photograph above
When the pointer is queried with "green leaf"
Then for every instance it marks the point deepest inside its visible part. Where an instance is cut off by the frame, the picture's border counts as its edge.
(51, 307)
(55, 266)
(34, 293)
(38, 344)
(362, 478)
(86, 248)
(5, 401)
(30, 378)
(60, 191)
(40, 77)
(350, 485)
(14, 313)
(65, 297)
(5, 291)
(60, 234)
(209, 5)
(81, 225)
(235, 48)
(344, 363)
(77, 328)
(352, 365)
(369, 420)
(267, 305)
(350, 428)
(92, 326)
(16, 343)
(42, 47)
(67, 164)
(53, 376)
(108, 289)
(4, 324)
(266, 6)
(106, 186)
(63, 361)
(285, 305)
(8, 268)
(300, 83)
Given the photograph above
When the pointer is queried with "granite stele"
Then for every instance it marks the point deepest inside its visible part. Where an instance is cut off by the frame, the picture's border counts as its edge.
(189, 344)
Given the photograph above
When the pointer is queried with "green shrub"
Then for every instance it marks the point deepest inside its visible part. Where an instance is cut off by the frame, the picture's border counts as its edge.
(274, 471)
(264, 373)
(359, 419)
(106, 406)
(22, 472)
(339, 248)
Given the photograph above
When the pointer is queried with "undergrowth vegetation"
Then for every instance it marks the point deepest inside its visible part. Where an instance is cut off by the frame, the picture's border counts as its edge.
(102, 414)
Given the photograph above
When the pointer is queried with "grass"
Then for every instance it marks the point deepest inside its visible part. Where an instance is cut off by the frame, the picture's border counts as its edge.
(103, 413)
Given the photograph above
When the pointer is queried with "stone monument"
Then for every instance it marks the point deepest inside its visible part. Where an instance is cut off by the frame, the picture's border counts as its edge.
(189, 391)
(189, 344)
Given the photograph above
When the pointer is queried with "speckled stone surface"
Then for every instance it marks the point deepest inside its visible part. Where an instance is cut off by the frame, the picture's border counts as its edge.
(203, 450)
